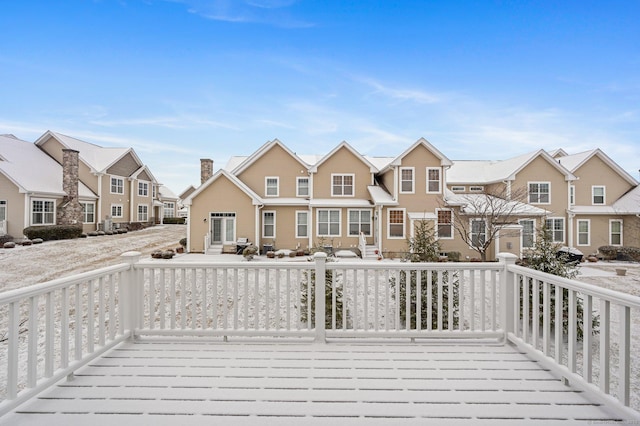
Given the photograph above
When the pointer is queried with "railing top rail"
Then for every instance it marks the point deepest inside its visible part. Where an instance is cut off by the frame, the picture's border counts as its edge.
(18, 294)
(241, 264)
(440, 266)
(589, 289)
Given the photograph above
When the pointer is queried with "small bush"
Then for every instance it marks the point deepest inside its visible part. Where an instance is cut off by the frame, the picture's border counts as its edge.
(454, 256)
(620, 253)
(173, 220)
(9, 244)
(53, 232)
(608, 252)
(5, 239)
(183, 242)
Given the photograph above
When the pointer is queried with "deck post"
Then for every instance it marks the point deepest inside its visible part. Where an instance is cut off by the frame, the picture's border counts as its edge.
(129, 294)
(320, 297)
(507, 308)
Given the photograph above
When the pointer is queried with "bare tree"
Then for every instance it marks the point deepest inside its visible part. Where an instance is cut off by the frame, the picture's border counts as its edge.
(481, 217)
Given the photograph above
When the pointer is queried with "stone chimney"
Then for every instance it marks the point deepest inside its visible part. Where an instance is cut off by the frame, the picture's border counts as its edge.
(70, 210)
(206, 169)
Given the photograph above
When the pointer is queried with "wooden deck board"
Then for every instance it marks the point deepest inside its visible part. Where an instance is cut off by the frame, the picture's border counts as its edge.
(155, 382)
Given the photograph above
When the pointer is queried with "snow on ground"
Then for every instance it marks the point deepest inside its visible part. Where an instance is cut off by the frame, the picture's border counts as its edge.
(26, 265)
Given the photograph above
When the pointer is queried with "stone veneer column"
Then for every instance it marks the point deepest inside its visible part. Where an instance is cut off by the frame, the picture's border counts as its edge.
(70, 210)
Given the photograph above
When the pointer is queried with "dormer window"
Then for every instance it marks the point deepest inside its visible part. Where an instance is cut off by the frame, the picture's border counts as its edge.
(342, 185)
(271, 186)
(598, 197)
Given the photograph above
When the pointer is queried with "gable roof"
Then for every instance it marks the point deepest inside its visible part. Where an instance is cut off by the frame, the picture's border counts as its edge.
(473, 203)
(345, 145)
(97, 158)
(629, 202)
(444, 161)
(489, 171)
(575, 161)
(186, 192)
(248, 161)
(255, 198)
(32, 170)
(166, 194)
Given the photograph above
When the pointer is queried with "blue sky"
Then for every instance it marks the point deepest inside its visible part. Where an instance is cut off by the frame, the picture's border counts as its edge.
(182, 80)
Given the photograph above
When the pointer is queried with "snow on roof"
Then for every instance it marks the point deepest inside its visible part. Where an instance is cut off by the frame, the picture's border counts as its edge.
(629, 202)
(380, 196)
(32, 170)
(340, 202)
(234, 162)
(490, 171)
(380, 162)
(97, 157)
(166, 192)
(575, 161)
(481, 203)
(572, 162)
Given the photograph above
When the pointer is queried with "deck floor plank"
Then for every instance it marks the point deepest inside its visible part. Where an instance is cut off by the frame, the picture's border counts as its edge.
(159, 382)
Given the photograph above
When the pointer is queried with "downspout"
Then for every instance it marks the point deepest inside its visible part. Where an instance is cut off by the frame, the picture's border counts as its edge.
(570, 215)
(99, 218)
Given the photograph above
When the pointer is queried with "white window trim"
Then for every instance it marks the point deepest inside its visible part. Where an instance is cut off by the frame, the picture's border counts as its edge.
(359, 223)
(44, 200)
(306, 212)
(621, 232)
(471, 231)
(264, 212)
(142, 182)
(588, 232)
(529, 192)
(84, 214)
(111, 184)
(318, 234)
(438, 223)
(604, 195)
(458, 188)
(266, 186)
(298, 179)
(353, 185)
(564, 228)
(413, 180)
(522, 233)
(138, 212)
(404, 224)
(121, 210)
(439, 180)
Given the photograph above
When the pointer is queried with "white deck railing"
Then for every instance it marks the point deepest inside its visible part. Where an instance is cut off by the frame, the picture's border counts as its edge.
(54, 328)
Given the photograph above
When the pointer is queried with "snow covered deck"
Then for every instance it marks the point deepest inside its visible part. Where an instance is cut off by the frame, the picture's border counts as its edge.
(177, 342)
(168, 382)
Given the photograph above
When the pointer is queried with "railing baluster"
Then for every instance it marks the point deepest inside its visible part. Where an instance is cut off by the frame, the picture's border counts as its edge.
(152, 298)
(440, 301)
(13, 333)
(624, 371)
(376, 306)
(546, 321)
(572, 318)
(387, 301)
(194, 300)
(204, 312)
(450, 286)
(525, 309)
(214, 295)
(267, 297)
(64, 327)
(162, 299)
(430, 300)
(32, 351)
(494, 300)
(246, 298)
(225, 298)
(535, 313)
(587, 338)
(50, 335)
(472, 300)
(365, 299)
(483, 302)
(172, 296)
(101, 313)
(334, 299)
(558, 326)
(183, 299)
(605, 342)
(78, 323)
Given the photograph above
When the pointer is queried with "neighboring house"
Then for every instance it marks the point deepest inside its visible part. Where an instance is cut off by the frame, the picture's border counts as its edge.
(169, 202)
(602, 203)
(276, 198)
(125, 188)
(36, 190)
(182, 209)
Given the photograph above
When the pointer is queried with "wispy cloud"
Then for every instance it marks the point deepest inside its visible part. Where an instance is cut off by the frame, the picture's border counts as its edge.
(169, 122)
(402, 94)
(269, 12)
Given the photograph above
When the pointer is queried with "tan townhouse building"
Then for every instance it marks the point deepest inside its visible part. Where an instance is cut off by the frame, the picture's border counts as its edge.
(63, 180)
(278, 199)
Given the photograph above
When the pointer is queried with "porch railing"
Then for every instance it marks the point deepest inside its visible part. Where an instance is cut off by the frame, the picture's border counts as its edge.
(51, 329)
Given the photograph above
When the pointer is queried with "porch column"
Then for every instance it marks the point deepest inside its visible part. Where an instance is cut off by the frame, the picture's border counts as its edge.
(131, 294)
(507, 292)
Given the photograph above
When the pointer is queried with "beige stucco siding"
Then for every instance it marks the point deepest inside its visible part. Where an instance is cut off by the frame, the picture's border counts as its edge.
(222, 195)
(285, 237)
(419, 160)
(15, 207)
(109, 199)
(599, 231)
(596, 172)
(274, 163)
(342, 162)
